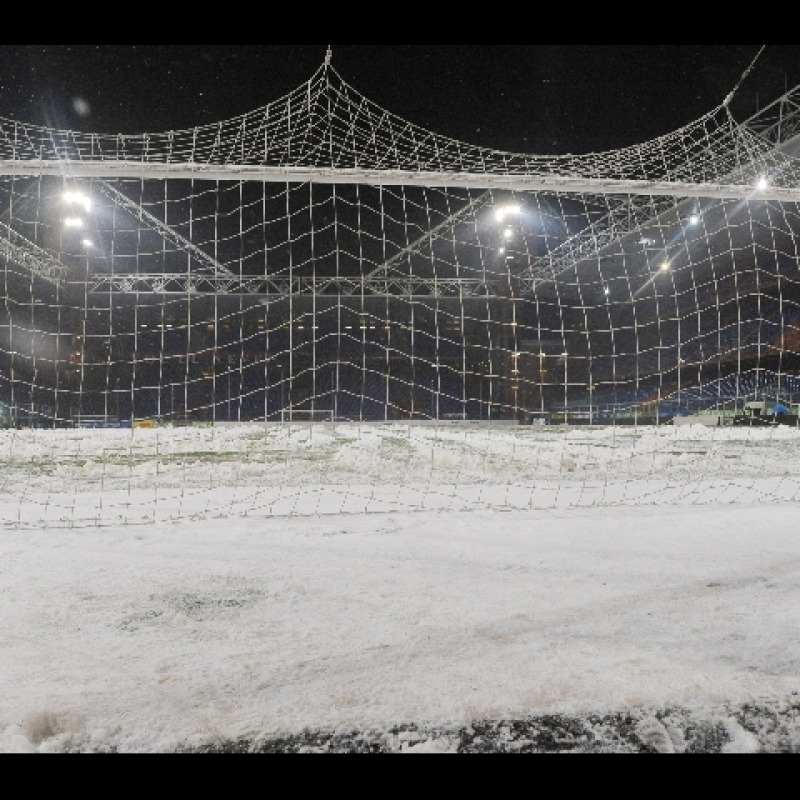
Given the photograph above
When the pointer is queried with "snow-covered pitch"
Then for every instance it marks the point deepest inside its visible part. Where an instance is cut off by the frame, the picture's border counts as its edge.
(89, 478)
(180, 589)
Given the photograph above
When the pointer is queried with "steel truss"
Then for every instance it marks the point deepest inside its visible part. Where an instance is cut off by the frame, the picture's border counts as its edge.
(16, 249)
(282, 288)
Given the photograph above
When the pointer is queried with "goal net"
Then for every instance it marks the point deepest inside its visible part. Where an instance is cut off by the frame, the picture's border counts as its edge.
(483, 329)
(307, 417)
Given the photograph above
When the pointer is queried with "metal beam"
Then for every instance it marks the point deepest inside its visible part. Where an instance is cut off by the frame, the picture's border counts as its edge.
(623, 218)
(779, 122)
(279, 289)
(205, 263)
(439, 232)
(18, 250)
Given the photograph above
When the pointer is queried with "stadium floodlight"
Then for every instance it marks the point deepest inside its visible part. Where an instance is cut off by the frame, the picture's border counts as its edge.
(73, 223)
(78, 199)
(763, 185)
(666, 266)
(507, 211)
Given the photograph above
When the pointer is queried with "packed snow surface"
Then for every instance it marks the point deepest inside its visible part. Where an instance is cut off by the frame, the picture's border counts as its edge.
(182, 589)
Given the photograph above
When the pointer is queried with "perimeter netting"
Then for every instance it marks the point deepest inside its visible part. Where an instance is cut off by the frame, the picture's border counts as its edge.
(321, 308)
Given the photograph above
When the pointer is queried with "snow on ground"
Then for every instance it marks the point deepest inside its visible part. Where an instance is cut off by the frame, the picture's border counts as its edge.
(183, 589)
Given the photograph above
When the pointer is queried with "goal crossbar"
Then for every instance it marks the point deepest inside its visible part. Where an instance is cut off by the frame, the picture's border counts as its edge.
(443, 180)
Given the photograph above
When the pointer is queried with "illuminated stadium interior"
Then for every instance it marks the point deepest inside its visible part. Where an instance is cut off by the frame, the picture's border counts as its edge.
(320, 258)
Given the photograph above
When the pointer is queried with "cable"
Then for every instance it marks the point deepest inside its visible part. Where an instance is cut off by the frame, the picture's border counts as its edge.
(744, 77)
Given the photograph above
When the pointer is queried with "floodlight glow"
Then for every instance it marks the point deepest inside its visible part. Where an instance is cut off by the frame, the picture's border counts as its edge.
(666, 266)
(694, 220)
(73, 223)
(763, 185)
(508, 211)
(78, 199)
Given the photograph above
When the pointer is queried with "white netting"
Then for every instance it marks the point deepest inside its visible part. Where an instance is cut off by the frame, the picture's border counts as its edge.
(396, 319)
(328, 125)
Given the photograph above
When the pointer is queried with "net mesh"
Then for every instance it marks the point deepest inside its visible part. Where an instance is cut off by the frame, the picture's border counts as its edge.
(320, 266)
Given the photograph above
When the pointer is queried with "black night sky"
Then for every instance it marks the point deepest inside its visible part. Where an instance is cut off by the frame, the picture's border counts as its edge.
(539, 99)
